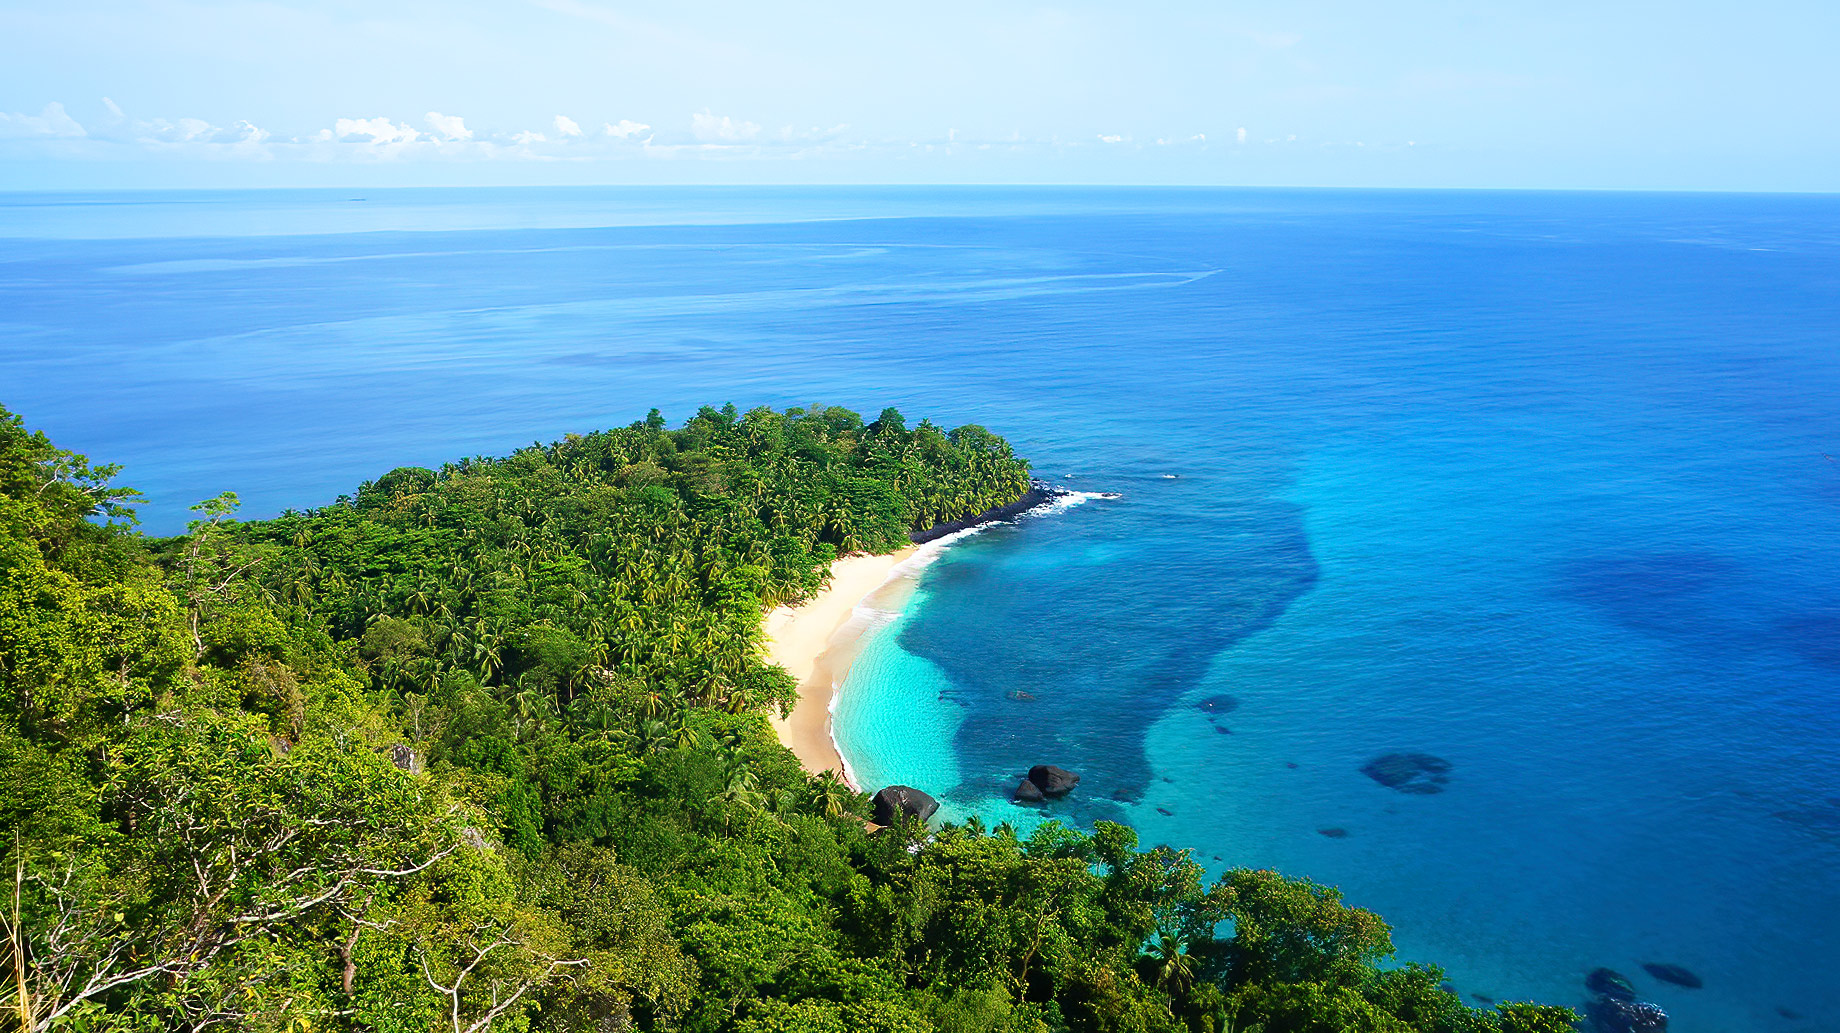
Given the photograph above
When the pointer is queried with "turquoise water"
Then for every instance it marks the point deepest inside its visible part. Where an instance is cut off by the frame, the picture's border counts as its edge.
(1531, 483)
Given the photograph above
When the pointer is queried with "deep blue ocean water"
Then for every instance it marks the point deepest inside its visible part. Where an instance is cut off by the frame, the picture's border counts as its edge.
(1537, 484)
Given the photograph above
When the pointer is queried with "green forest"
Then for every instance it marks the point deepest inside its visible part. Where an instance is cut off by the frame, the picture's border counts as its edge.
(485, 748)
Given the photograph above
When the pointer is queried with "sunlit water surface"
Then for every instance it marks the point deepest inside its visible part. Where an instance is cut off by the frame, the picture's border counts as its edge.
(1534, 484)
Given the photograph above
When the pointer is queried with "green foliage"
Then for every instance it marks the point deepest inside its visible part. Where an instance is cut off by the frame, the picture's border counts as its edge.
(484, 747)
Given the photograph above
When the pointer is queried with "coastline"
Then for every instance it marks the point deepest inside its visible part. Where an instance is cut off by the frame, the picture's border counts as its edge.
(815, 642)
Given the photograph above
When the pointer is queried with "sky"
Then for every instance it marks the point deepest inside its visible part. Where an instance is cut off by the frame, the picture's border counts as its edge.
(1510, 94)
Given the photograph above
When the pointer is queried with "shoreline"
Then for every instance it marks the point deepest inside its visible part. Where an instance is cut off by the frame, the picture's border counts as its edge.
(816, 642)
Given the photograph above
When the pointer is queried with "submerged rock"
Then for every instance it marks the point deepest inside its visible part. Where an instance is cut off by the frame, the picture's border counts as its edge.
(1223, 729)
(1333, 832)
(1052, 781)
(1218, 704)
(1419, 773)
(1166, 812)
(1027, 792)
(903, 801)
(1674, 974)
(1611, 1015)
(1020, 696)
(1606, 982)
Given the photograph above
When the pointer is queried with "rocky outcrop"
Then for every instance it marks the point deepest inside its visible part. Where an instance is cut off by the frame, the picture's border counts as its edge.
(1613, 1015)
(1027, 792)
(1053, 782)
(1037, 494)
(1616, 1009)
(903, 802)
(1605, 982)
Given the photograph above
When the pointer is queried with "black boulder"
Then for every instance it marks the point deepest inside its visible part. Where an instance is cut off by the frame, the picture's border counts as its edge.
(1052, 781)
(903, 801)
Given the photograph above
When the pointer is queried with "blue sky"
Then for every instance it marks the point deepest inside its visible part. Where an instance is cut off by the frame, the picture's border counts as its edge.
(1549, 94)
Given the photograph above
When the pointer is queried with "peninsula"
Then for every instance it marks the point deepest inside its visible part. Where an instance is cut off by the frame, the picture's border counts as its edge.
(487, 747)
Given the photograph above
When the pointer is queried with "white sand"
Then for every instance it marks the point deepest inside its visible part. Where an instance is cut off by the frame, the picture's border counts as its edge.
(815, 643)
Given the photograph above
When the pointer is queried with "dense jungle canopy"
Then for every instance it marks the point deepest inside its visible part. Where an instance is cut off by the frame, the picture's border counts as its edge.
(484, 747)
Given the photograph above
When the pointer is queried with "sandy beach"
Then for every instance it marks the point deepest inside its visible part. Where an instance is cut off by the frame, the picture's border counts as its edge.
(815, 642)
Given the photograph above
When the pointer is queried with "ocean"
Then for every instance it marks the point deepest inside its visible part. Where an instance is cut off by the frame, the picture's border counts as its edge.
(1535, 496)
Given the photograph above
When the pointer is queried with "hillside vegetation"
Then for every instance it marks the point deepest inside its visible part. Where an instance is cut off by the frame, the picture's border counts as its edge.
(483, 747)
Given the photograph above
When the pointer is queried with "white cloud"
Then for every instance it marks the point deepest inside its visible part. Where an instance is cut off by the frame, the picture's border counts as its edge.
(449, 127)
(114, 108)
(1239, 135)
(372, 130)
(52, 121)
(567, 126)
(625, 129)
(528, 137)
(711, 129)
(1112, 138)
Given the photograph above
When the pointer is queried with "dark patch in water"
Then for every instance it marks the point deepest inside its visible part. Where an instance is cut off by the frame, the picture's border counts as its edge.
(1608, 982)
(1122, 632)
(1482, 998)
(1815, 636)
(1291, 764)
(1417, 773)
(1333, 832)
(1220, 703)
(1668, 593)
(1821, 818)
(1166, 811)
(1789, 1013)
(1674, 974)
(1223, 730)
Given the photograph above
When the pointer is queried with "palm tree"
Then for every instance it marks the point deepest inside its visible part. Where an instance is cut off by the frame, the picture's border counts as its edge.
(831, 795)
(1175, 967)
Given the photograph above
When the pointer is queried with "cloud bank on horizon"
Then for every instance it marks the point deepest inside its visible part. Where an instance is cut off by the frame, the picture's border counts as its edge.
(1557, 94)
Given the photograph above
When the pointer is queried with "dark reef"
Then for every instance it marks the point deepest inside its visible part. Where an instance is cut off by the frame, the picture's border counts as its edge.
(1674, 974)
(1418, 773)
(1614, 1015)
(1605, 982)
(1144, 658)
